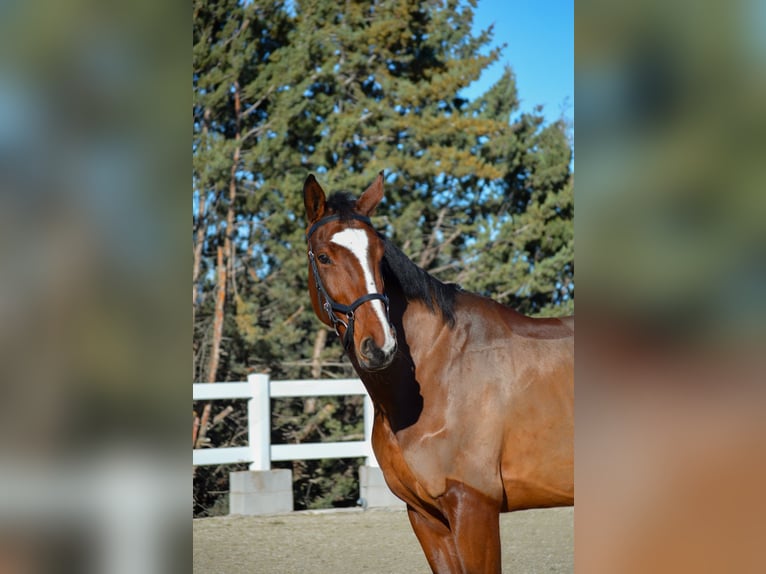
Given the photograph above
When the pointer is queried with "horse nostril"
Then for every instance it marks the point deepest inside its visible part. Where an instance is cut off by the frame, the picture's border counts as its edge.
(368, 346)
(372, 356)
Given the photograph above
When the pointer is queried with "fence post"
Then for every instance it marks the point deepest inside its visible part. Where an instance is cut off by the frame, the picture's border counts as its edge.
(260, 490)
(259, 422)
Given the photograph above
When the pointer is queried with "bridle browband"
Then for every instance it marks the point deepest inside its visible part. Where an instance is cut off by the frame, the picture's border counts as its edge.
(329, 305)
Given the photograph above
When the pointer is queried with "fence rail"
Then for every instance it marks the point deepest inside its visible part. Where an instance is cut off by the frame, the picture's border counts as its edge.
(260, 453)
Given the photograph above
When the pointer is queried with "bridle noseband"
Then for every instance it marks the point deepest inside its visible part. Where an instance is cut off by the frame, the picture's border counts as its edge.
(331, 306)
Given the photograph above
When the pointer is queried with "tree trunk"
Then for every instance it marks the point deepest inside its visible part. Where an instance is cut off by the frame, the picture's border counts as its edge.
(215, 350)
(220, 299)
(198, 243)
(228, 242)
(310, 403)
(225, 267)
(316, 361)
(430, 250)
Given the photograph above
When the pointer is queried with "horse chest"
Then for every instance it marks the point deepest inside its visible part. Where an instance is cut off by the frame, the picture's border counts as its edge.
(407, 481)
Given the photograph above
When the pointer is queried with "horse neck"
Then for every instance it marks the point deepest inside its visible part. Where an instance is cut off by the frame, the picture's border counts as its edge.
(396, 391)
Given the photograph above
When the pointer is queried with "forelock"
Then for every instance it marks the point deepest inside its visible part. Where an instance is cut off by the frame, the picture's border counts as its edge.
(342, 203)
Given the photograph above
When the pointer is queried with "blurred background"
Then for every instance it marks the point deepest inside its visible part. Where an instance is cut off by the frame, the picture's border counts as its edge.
(93, 338)
(671, 436)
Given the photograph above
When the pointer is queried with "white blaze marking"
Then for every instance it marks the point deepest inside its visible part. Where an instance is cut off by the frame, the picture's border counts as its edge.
(355, 240)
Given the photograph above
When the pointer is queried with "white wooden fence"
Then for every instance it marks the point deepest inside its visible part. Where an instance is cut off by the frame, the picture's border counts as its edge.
(259, 390)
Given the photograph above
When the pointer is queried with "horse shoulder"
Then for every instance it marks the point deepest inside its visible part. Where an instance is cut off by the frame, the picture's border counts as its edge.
(398, 474)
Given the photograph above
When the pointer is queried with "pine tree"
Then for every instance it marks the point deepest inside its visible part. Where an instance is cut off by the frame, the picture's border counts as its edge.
(523, 254)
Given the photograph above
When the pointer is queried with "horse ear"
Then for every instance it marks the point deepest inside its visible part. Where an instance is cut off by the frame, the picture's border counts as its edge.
(371, 197)
(313, 199)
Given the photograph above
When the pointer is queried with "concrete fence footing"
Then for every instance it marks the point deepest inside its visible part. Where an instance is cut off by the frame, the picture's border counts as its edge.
(373, 490)
(261, 492)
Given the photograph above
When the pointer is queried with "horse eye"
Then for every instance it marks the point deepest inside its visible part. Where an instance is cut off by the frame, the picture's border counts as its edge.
(324, 259)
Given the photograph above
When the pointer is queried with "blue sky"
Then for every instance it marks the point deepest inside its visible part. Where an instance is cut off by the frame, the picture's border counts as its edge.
(540, 49)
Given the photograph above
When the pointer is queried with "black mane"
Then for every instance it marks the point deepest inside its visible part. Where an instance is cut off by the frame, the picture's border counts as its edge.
(414, 282)
(417, 284)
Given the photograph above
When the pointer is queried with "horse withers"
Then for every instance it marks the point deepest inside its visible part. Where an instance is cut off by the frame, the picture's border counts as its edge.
(474, 402)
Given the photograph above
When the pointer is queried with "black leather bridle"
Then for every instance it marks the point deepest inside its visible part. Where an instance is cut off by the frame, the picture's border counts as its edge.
(330, 306)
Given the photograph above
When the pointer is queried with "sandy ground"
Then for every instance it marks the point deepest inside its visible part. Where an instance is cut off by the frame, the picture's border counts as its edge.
(373, 541)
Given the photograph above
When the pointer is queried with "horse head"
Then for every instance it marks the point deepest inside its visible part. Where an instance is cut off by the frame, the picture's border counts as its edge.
(345, 280)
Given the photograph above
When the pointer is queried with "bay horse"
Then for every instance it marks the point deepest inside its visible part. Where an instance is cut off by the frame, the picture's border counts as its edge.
(474, 402)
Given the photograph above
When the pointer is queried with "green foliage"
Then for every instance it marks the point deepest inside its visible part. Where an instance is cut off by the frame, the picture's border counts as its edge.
(475, 191)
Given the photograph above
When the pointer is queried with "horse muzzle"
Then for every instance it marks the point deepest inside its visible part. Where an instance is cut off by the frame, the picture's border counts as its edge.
(373, 358)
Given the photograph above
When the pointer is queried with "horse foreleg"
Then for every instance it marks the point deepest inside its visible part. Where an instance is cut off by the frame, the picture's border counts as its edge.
(474, 519)
(437, 542)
